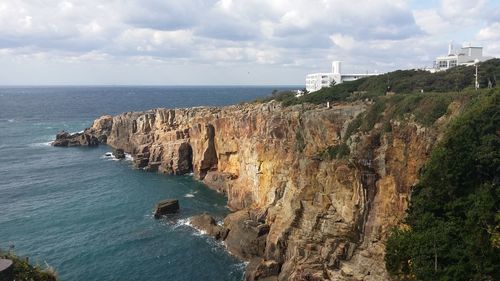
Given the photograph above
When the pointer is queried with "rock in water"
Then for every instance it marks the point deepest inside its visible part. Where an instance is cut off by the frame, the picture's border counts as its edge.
(207, 223)
(165, 207)
(119, 153)
(76, 139)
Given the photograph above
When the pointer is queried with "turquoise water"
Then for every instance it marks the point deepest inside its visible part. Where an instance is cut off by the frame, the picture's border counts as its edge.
(90, 216)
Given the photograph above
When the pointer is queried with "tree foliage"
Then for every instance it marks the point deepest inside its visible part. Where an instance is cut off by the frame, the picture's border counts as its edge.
(404, 82)
(453, 217)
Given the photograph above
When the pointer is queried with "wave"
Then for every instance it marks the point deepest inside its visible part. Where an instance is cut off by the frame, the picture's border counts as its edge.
(176, 224)
(109, 156)
(189, 195)
(128, 157)
(184, 223)
(238, 270)
(41, 144)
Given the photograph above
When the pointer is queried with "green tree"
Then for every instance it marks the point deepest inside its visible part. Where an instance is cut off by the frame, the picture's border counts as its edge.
(452, 218)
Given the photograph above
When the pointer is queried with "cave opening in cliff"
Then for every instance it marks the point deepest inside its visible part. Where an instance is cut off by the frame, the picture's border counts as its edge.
(185, 163)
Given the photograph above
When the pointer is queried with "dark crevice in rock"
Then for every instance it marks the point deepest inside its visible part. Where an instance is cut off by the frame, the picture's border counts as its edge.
(210, 159)
(185, 162)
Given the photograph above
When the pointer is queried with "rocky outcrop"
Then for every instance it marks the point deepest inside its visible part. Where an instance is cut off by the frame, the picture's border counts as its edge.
(246, 237)
(119, 153)
(165, 207)
(76, 139)
(301, 215)
(208, 225)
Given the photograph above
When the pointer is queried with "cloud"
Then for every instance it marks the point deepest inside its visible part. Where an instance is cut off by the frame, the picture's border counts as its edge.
(299, 34)
(343, 41)
(490, 32)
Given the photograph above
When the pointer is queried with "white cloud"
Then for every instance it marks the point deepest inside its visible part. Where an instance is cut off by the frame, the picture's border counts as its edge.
(298, 34)
(430, 21)
(464, 11)
(491, 32)
(343, 41)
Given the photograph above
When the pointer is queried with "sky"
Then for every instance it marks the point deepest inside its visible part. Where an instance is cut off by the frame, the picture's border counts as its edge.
(230, 42)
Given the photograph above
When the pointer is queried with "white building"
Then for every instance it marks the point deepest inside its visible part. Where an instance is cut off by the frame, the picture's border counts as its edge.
(464, 56)
(316, 81)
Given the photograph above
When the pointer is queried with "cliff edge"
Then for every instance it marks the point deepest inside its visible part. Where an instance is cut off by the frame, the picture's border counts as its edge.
(314, 195)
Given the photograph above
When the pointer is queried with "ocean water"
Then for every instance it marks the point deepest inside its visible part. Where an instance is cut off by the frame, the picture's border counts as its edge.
(90, 216)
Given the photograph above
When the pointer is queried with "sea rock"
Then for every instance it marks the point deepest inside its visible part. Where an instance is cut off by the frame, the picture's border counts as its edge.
(141, 160)
(168, 206)
(207, 223)
(119, 153)
(77, 139)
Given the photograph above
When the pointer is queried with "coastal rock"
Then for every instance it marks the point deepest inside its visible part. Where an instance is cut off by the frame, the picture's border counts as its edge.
(259, 269)
(207, 224)
(317, 218)
(246, 238)
(119, 153)
(103, 125)
(77, 139)
(165, 207)
(6, 270)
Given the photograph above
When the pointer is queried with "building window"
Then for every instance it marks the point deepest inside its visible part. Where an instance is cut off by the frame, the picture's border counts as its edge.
(453, 63)
(443, 64)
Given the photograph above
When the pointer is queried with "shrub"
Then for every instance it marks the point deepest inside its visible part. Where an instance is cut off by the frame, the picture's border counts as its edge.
(23, 270)
(338, 151)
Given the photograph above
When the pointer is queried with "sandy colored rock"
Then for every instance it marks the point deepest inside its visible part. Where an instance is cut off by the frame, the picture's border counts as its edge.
(318, 218)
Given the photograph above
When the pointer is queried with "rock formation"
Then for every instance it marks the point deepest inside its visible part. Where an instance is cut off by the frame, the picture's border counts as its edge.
(165, 207)
(76, 139)
(119, 153)
(207, 224)
(300, 215)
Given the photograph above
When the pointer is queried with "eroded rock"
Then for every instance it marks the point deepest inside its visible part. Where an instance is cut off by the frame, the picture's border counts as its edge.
(207, 224)
(318, 218)
(165, 207)
(246, 237)
(119, 153)
(259, 269)
(64, 139)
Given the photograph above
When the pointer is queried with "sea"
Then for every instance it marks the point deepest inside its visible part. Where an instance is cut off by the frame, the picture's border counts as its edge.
(90, 216)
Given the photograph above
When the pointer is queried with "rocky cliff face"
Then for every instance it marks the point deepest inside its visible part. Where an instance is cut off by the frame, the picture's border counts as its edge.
(314, 218)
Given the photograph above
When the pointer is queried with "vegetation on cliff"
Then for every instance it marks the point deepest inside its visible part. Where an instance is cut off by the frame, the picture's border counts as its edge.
(22, 270)
(453, 223)
(400, 82)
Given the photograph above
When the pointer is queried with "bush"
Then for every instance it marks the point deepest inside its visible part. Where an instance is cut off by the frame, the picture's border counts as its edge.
(299, 141)
(337, 152)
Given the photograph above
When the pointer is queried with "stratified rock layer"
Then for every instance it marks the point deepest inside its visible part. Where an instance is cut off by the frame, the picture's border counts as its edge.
(306, 217)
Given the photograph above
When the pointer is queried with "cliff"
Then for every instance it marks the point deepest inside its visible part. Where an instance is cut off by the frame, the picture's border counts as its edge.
(315, 215)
